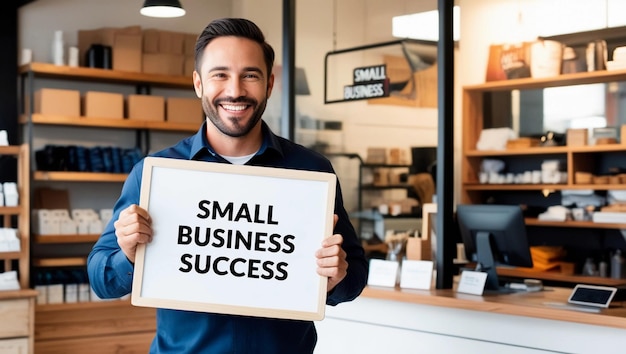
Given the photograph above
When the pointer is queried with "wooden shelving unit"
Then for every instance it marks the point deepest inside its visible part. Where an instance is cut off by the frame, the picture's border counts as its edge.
(17, 307)
(19, 212)
(373, 168)
(575, 158)
(111, 326)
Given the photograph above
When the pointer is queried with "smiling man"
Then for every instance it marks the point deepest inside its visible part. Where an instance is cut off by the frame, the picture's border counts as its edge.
(233, 78)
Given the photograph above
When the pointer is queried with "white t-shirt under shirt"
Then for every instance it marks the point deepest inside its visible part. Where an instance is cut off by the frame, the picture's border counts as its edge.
(238, 160)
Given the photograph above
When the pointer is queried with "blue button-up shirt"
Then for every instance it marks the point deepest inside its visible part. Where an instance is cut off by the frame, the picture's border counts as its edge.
(110, 272)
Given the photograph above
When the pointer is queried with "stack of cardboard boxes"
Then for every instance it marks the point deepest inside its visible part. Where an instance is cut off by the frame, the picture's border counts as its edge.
(125, 44)
(93, 104)
(112, 105)
(149, 51)
(168, 53)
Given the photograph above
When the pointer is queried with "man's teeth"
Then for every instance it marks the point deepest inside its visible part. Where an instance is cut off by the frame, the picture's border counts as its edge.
(233, 107)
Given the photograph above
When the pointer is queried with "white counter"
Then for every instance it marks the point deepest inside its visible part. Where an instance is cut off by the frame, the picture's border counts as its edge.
(372, 324)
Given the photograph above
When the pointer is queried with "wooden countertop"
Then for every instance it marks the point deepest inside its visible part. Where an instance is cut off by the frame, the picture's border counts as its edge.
(528, 304)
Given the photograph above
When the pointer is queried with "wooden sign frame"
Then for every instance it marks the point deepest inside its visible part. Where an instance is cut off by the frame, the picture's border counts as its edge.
(233, 239)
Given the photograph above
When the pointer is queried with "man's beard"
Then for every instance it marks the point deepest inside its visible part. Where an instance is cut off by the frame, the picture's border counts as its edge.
(210, 109)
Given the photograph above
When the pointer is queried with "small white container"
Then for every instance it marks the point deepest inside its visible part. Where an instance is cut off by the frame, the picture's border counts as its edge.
(58, 48)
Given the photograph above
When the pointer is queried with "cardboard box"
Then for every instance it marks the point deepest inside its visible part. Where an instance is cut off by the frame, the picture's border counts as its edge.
(145, 108)
(162, 63)
(189, 66)
(127, 52)
(56, 102)
(623, 134)
(151, 41)
(189, 44)
(103, 105)
(171, 42)
(184, 110)
(125, 43)
(576, 137)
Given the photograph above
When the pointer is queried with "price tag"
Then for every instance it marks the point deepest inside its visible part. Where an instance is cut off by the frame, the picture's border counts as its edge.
(416, 274)
(382, 273)
(472, 282)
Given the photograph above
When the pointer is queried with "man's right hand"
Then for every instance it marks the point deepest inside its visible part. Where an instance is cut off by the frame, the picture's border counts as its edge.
(132, 228)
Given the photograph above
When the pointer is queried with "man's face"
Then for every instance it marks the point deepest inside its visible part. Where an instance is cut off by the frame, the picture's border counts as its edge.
(233, 84)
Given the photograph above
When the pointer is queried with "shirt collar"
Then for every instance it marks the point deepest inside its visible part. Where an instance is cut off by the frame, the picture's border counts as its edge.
(200, 142)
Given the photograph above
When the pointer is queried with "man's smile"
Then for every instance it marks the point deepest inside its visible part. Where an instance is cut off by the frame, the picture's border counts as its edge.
(233, 107)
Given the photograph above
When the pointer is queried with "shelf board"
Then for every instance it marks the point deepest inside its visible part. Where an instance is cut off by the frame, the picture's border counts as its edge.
(555, 276)
(390, 186)
(554, 81)
(46, 119)
(9, 255)
(17, 294)
(547, 150)
(384, 165)
(10, 210)
(402, 216)
(598, 148)
(63, 176)
(60, 262)
(574, 223)
(10, 150)
(81, 305)
(104, 75)
(538, 187)
(66, 238)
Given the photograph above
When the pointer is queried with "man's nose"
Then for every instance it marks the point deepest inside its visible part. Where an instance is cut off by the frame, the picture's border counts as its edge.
(235, 88)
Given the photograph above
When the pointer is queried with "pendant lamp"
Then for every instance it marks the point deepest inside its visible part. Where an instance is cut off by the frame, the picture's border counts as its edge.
(162, 8)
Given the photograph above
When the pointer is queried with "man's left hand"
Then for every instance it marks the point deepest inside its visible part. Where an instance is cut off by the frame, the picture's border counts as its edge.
(331, 259)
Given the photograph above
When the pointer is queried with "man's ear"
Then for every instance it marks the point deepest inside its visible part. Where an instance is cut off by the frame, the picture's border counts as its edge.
(197, 84)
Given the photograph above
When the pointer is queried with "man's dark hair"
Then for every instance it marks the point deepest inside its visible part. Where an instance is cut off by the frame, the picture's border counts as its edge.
(237, 27)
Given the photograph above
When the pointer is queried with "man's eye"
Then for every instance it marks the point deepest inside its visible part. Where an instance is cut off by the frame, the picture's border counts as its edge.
(251, 76)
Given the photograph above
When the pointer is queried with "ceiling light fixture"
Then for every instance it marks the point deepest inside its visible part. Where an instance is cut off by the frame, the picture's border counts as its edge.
(162, 8)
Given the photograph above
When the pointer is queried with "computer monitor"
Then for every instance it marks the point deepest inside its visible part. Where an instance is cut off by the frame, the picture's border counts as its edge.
(494, 235)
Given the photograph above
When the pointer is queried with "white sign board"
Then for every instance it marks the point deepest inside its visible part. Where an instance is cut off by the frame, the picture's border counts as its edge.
(416, 274)
(234, 239)
(382, 273)
(472, 282)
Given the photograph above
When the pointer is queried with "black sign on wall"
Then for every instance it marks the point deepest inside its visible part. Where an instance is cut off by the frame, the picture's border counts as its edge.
(368, 82)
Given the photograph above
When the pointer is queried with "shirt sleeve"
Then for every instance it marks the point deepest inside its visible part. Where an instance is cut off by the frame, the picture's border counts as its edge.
(110, 272)
(356, 279)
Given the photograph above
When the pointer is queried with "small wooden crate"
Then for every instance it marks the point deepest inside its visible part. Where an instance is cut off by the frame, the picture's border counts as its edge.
(522, 143)
(583, 177)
